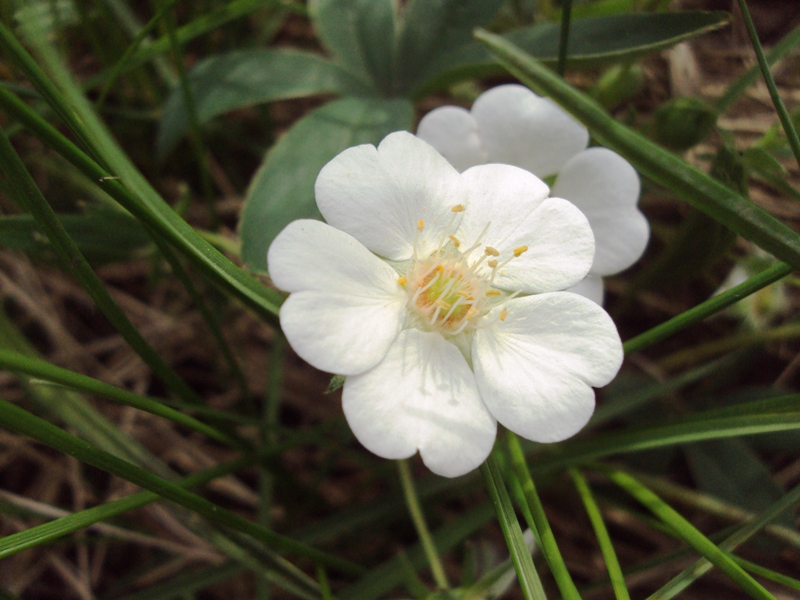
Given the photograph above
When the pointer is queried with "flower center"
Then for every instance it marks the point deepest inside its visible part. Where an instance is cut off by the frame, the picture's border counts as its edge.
(452, 289)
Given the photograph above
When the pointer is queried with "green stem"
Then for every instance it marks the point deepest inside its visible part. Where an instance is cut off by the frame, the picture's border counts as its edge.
(601, 533)
(783, 114)
(543, 530)
(526, 573)
(707, 308)
(418, 518)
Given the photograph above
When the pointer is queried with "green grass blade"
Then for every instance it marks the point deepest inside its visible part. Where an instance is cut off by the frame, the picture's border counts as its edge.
(691, 535)
(24, 190)
(750, 419)
(22, 422)
(120, 179)
(520, 555)
(661, 166)
(707, 308)
(543, 531)
(53, 530)
(685, 578)
(755, 569)
(783, 114)
(41, 369)
(155, 214)
(601, 533)
(738, 87)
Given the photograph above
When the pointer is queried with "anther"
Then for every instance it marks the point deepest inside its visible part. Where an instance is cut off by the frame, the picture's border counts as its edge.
(420, 225)
(441, 303)
(455, 240)
(402, 280)
(493, 292)
(492, 263)
(491, 251)
(458, 208)
(503, 314)
(520, 250)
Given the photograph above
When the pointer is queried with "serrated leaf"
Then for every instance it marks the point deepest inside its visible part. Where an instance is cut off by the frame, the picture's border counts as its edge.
(283, 188)
(223, 83)
(593, 40)
(360, 34)
(430, 29)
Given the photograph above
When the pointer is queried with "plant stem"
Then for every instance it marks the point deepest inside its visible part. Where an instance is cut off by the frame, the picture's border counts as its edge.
(418, 518)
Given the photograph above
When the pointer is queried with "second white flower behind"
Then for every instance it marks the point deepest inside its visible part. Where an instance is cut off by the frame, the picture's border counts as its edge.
(436, 294)
(510, 124)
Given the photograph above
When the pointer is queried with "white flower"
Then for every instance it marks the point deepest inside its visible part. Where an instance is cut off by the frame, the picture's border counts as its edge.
(419, 289)
(510, 124)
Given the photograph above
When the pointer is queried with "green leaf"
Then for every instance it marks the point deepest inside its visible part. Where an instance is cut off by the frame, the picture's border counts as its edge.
(360, 34)
(695, 187)
(283, 188)
(102, 235)
(591, 41)
(431, 29)
(223, 83)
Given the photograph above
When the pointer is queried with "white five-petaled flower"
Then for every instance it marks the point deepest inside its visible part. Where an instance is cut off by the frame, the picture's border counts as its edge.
(510, 124)
(435, 293)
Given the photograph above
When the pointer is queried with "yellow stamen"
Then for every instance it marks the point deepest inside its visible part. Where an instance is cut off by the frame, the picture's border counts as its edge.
(493, 292)
(420, 225)
(458, 208)
(520, 250)
(402, 280)
(455, 240)
(491, 251)
(472, 313)
(439, 268)
(492, 263)
(441, 304)
(503, 314)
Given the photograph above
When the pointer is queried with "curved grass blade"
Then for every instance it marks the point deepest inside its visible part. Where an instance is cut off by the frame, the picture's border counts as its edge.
(520, 555)
(41, 369)
(707, 308)
(681, 581)
(22, 422)
(738, 87)
(53, 530)
(783, 114)
(692, 536)
(663, 167)
(779, 414)
(24, 190)
(601, 533)
(136, 195)
(156, 214)
(543, 531)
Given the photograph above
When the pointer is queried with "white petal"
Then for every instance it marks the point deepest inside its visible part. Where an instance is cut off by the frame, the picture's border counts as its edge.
(346, 307)
(454, 134)
(311, 255)
(514, 204)
(535, 369)
(606, 188)
(379, 195)
(517, 127)
(422, 396)
(590, 287)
